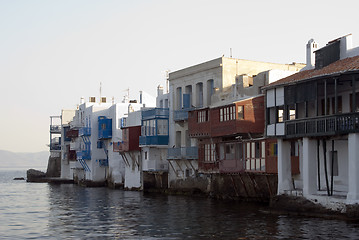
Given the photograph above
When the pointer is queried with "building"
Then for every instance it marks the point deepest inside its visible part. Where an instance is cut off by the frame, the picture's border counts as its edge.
(92, 132)
(317, 110)
(130, 151)
(200, 87)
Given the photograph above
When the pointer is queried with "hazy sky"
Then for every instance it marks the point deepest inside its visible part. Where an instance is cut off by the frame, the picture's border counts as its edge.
(54, 52)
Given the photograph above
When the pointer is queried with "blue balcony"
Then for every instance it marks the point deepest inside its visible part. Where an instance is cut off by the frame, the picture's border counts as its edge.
(84, 155)
(191, 152)
(183, 153)
(104, 127)
(181, 115)
(154, 140)
(103, 162)
(85, 131)
(174, 153)
(155, 113)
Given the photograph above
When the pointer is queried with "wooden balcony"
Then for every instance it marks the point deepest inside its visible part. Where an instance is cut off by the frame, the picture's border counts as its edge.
(339, 124)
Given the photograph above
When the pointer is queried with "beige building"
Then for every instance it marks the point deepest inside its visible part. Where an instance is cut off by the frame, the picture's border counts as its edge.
(198, 87)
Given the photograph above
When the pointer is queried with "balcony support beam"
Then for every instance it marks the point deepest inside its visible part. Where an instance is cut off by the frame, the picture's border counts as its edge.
(309, 166)
(353, 94)
(284, 167)
(353, 168)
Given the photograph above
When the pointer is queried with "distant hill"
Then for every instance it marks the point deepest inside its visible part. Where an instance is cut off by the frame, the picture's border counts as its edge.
(31, 160)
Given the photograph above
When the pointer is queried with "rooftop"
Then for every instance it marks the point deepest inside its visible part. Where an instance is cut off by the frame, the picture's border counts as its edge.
(336, 68)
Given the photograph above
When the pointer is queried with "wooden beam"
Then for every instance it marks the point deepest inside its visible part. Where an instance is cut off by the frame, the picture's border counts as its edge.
(353, 94)
(169, 161)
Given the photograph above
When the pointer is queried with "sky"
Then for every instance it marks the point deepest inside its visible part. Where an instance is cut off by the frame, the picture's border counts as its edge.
(52, 53)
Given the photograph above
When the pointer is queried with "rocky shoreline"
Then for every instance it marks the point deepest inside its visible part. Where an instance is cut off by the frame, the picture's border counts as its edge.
(300, 206)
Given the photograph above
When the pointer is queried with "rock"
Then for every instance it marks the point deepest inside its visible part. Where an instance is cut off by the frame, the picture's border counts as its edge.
(19, 178)
(35, 175)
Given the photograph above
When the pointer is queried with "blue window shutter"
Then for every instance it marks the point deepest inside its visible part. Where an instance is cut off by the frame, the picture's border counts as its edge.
(186, 100)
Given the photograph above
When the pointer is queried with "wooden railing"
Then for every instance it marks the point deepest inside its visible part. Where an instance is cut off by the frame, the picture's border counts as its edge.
(323, 126)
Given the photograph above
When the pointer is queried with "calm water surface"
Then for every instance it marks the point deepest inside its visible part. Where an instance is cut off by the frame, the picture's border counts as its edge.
(44, 211)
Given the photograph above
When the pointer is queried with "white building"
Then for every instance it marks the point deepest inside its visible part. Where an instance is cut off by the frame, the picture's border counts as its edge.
(317, 109)
(98, 126)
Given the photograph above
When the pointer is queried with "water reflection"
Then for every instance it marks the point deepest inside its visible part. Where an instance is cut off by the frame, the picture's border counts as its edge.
(105, 213)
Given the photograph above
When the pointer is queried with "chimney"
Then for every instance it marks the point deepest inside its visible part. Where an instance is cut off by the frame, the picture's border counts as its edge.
(312, 46)
(346, 43)
(82, 100)
(140, 97)
(159, 90)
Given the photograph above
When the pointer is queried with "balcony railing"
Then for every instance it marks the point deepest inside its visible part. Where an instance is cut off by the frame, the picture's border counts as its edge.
(55, 128)
(154, 165)
(181, 115)
(85, 131)
(84, 155)
(105, 134)
(323, 126)
(72, 133)
(182, 153)
(154, 140)
(155, 113)
(55, 146)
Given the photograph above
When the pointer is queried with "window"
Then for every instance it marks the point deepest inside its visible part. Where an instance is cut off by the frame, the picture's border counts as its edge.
(202, 116)
(271, 115)
(145, 155)
(291, 112)
(257, 150)
(273, 149)
(209, 152)
(230, 151)
(255, 156)
(280, 113)
(240, 110)
(227, 113)
(162, 127)
(356, 102)
(294, 152)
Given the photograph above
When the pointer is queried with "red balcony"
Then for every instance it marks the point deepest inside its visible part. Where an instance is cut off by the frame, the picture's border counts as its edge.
(246, 116)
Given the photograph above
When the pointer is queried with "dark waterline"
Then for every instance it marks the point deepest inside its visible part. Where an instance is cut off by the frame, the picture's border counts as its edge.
(43, 211)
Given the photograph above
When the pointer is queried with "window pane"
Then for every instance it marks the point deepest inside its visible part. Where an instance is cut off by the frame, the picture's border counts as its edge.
(240, 113)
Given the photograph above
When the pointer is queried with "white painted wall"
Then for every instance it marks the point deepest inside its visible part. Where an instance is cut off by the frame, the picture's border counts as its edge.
(133, 172)
(271, 130)
(270, 101)
(156, 159)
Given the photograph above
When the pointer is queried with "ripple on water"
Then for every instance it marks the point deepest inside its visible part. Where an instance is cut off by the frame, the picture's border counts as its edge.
(42, 211)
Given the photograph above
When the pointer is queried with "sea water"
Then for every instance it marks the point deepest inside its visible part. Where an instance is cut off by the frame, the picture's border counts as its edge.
(47, 211)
